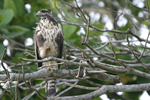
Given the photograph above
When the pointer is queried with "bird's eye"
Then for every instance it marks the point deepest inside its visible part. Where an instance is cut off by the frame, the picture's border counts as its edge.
(43, 11)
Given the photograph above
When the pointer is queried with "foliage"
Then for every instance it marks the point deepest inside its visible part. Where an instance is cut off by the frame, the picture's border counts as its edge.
(16, 23)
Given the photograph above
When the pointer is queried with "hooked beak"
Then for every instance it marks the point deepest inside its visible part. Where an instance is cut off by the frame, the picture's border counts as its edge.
(38, 14)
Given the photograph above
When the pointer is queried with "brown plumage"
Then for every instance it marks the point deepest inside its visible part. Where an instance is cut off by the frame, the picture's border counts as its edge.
(48, 40)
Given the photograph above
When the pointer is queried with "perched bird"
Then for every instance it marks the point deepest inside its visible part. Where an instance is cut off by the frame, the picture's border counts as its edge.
(48, 40)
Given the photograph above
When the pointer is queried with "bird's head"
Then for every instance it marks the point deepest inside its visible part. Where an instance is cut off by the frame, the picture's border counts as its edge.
(43, 13)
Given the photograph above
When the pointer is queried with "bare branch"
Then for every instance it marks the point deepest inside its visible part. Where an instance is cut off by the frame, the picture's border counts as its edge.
(106, 89)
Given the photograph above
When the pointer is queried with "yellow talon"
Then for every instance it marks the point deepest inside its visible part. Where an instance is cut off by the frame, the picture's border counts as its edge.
(50, 68)
(48, 48)
(50, 62)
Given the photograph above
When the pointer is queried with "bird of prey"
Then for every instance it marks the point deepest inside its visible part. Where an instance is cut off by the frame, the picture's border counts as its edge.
(48, 41)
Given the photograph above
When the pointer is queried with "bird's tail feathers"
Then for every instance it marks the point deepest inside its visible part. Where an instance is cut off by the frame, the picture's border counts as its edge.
(50, 88)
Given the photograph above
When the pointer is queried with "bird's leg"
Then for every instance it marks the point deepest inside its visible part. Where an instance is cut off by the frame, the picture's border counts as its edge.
(48, 48)
(50, 68)
(50, 62)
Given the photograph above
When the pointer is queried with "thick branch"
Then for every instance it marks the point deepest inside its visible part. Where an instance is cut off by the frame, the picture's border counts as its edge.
(107, 67)
(105, 89)
(58, 74)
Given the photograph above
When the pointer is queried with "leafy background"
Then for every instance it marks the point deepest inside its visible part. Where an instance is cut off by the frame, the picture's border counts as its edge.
(17, 23)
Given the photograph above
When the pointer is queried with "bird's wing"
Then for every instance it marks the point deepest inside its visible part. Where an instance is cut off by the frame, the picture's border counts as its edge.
(36, 48)
(59, 40)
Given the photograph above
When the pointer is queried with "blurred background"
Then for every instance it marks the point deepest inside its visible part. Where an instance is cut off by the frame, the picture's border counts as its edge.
(17, 22)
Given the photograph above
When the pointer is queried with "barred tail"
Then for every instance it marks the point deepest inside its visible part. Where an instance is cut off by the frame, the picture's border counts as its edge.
(50, 88)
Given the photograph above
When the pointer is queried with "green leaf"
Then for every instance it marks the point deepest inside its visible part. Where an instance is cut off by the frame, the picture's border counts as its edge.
(9, 4)
(14, 31)
(19, 5)
(1, 3)
(141, 80)
(1, 49)
(4, 30)
(17, 55)
(68, 30)
(1, 17)
(98, 98)
(132, 96)
(148, 92)
(54, 2)
(76, 20)
(14, 34)
(17, 28)
(145, 22)
(7, 17)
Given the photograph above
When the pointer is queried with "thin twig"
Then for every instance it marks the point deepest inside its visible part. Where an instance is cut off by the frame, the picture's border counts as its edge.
(82, 87)
(66, 89)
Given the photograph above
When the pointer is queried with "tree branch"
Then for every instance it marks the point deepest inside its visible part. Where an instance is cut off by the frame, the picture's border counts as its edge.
(105, 89)
(58, 74)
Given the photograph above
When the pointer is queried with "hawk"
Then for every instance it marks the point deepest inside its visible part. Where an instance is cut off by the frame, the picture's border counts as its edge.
(48, 40)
